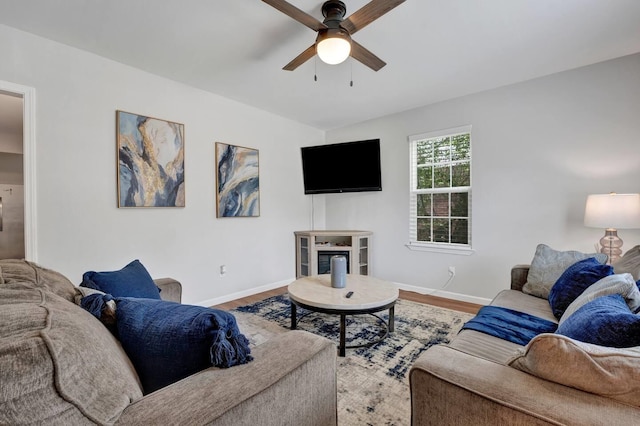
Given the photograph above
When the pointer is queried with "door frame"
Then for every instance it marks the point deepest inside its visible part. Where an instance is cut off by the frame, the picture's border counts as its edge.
(29, 164)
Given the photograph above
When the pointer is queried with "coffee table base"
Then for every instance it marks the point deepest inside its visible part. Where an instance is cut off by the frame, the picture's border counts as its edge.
(343, 314)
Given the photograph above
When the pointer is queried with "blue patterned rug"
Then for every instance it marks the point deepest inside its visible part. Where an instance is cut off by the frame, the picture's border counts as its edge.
(373, 383)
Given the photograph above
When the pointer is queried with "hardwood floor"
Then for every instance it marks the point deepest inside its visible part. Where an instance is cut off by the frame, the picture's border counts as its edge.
(442, 302)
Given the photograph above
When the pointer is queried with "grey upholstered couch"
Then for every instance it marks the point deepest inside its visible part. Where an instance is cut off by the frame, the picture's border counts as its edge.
(60, 365)
(469, 381)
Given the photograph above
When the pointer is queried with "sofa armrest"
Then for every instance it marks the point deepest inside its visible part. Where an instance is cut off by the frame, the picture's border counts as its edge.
(449, 387)
(171, 289)
(519, 275)
(292, 380)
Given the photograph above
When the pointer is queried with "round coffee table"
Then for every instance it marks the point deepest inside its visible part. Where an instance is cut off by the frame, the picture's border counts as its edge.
(370, 295)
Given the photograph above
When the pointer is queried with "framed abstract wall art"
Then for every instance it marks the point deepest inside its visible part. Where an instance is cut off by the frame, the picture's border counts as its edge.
(150, 161)
(238, 181)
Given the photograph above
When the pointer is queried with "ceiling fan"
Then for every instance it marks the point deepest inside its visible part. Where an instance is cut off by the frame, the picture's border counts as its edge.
(334, 43)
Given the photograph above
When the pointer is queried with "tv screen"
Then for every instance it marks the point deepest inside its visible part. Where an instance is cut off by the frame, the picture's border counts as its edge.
(342, 167)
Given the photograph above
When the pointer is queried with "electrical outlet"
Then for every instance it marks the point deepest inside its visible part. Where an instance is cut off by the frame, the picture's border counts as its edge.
(452, 270)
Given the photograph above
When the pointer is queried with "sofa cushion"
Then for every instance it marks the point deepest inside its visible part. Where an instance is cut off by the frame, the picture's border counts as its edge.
(547, 266)
(605, 321)
(31, 275)
(484, 346)
(610, 372)
(59, 365)
(131, 281)
(167, 341)
(573, 281)
(517, 300)
(629, 263)
(622, 284)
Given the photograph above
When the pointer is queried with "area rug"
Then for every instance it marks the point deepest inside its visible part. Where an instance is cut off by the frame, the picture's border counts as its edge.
(373, 382)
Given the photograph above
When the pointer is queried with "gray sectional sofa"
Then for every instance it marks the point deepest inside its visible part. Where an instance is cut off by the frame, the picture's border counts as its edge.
(479, 379)
(60, 365)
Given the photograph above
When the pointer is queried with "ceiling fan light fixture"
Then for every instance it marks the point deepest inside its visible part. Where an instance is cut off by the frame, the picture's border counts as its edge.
(333, 45)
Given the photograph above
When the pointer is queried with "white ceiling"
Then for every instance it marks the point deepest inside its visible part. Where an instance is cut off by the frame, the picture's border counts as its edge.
(434, 49)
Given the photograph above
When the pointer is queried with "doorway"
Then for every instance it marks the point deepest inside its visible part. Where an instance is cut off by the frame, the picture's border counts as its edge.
(17, 172)
(11, 177)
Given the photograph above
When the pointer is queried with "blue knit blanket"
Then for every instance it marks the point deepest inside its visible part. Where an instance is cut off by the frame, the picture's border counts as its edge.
(168, 341)
(507, 324)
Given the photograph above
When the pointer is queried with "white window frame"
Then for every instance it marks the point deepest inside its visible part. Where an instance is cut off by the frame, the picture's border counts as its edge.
(414, 244)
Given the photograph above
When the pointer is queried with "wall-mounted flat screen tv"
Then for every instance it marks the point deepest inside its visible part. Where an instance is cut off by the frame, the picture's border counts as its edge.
(342, 167)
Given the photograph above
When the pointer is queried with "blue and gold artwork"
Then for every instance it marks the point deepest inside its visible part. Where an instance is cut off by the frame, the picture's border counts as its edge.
(238, 181)
(150, 161)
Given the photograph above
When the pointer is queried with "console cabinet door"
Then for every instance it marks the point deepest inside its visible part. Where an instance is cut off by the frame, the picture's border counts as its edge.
(363, 255)
(303, 254)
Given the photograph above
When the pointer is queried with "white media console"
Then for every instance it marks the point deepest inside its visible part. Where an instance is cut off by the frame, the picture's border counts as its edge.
(315, 248)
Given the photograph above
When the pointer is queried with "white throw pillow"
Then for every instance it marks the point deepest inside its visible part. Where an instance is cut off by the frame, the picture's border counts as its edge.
(547, 266)
(610, 372)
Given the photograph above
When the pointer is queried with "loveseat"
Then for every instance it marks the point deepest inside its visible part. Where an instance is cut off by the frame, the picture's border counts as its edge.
(480, 379)
(60, 365)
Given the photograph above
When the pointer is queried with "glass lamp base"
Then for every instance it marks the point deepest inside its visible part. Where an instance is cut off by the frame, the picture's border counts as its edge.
(611, 245)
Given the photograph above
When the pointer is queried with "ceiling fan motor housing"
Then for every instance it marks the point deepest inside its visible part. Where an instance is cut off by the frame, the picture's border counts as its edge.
(333, 12)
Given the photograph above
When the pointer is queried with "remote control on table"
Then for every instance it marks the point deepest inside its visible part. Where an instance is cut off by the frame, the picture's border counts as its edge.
(349, 294)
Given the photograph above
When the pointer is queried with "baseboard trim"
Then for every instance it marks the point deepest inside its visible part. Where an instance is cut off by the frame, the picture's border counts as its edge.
(427, 291)
(445, 294)
(245, 293)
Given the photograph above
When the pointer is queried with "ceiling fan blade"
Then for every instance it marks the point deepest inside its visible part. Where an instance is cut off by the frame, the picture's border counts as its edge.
(303, 17)
(368, 13)
(361, 54)
(301, 58)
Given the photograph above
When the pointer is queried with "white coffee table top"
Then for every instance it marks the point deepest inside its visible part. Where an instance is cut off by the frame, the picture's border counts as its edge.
(368, 292)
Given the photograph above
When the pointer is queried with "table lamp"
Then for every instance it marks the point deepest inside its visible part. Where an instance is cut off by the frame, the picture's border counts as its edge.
(612, 212)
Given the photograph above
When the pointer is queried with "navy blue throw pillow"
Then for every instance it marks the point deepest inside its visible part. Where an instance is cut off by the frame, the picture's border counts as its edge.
(131, 281)
(605, 321)
(573, 281)
(168, 341)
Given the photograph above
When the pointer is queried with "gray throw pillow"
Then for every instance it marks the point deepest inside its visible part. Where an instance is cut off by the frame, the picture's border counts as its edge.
(548, 265)
(629, 263)
(622, 284)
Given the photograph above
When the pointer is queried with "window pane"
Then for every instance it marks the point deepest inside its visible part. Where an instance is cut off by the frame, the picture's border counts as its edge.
(441, 205)
(441, 230)
(460, 231)
(441, 177)
(424, 230)
(425, 175)
(460, 204)
(441, 185)
(461, 174)
(424, 205)
(441, 150)
(425, 152)
(460, 145)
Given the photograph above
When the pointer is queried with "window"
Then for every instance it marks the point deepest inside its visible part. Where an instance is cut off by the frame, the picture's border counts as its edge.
(440, 192)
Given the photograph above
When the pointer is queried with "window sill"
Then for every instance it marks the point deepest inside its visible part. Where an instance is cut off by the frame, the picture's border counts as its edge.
(437, 248)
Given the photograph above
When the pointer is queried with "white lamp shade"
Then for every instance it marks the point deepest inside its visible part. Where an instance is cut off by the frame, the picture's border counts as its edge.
(333, 50)
(612, 211)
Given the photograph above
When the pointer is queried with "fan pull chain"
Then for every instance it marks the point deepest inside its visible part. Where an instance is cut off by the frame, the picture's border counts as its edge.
(351, 82)
(315, 69)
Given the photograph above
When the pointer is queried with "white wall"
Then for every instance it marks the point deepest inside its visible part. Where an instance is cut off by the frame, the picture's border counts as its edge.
(79, 226)
(539, 148)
